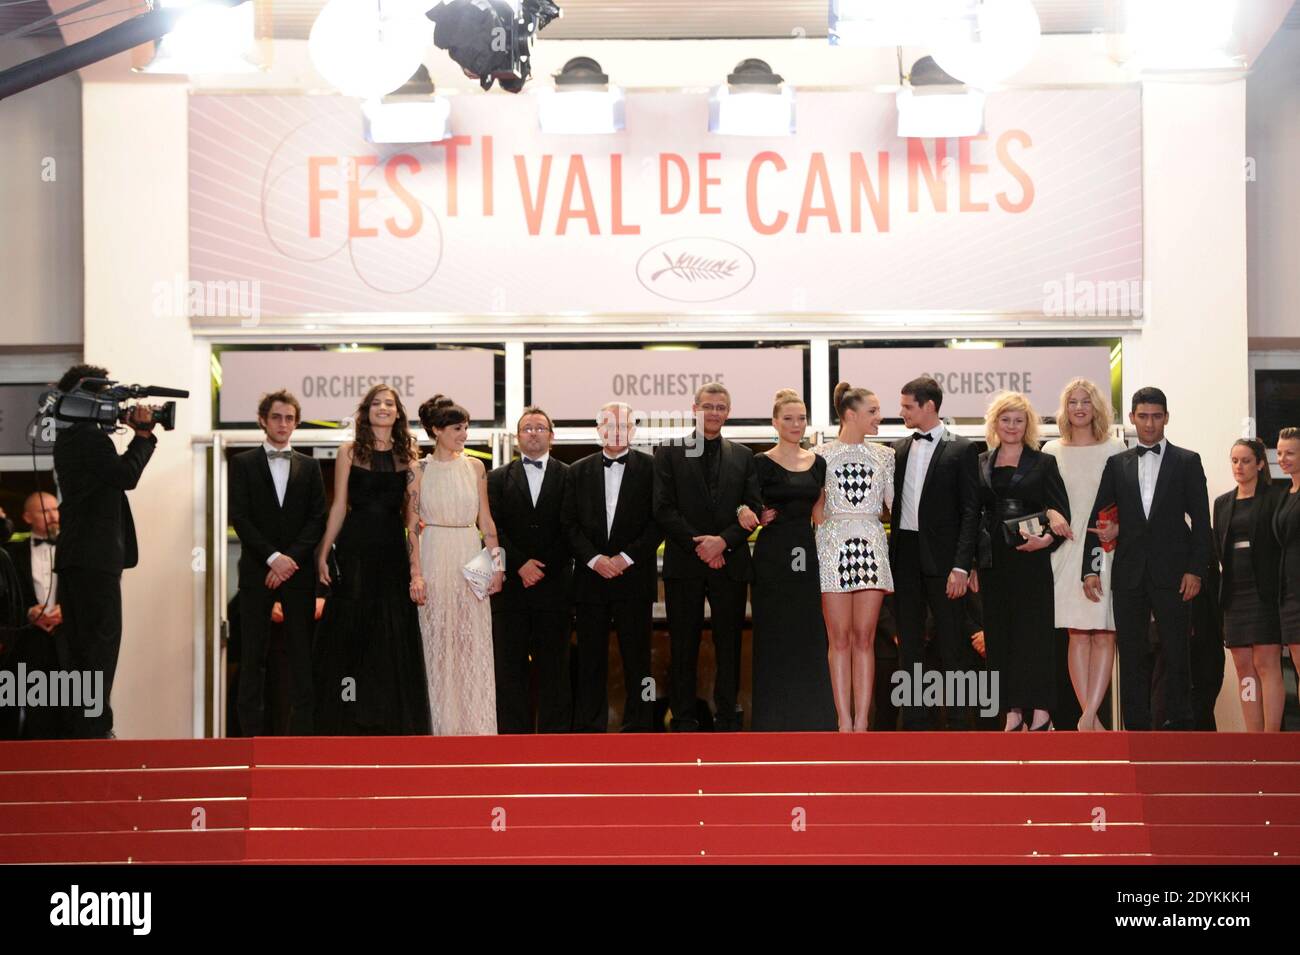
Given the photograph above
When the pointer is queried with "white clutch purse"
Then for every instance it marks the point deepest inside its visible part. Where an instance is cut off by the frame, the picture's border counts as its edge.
(480, 569)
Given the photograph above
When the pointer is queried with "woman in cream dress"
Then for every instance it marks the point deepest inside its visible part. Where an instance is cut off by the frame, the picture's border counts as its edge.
(1081, 454)
(455, 625)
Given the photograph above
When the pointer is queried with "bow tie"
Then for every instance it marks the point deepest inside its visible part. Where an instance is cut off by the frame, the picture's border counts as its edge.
(921, 436)
(1154, 449)
(610, 462)
(286, 454)
(38, 541)
(537, 464)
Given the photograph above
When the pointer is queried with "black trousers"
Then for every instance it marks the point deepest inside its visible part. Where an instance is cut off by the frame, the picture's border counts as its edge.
(299, 606)
(92, 616)
(685, 597)
(914, 593)
(37, 651)
(1133, 610)
(544, 634)
(633, 619)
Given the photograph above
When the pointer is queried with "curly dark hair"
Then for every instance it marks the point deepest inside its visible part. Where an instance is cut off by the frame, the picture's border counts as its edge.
(405, 447)
(441, 412)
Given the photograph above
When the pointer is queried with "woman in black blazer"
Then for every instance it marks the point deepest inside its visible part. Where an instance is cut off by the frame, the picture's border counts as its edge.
(1286, 528)
(1250, 557)
(1018, 480)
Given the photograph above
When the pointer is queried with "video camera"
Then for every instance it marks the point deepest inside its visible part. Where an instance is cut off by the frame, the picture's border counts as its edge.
(488, 39)
(103, 401)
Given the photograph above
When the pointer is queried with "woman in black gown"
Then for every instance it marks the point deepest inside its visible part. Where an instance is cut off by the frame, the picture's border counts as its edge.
(1019, 594)
(792, 689)
(369, 661)
(1286, 525)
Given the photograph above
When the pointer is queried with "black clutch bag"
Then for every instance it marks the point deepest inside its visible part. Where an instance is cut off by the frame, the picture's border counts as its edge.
(1034, 524)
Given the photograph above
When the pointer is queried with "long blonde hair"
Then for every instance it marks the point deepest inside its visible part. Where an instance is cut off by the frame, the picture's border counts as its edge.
(1003, 402)
(1101, 413)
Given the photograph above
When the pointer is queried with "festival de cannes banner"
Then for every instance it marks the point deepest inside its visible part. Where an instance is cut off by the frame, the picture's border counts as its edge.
(971, 377)
(843, 217)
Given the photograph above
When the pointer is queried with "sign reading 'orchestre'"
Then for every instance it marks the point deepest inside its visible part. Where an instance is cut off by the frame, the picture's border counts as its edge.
(573, 384)
(330, 385)
(971, 377)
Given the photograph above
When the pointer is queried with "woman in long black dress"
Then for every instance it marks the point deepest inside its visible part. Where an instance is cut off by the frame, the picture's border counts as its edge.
(792, 689)
(1286, 526)
(369, 660)
(1250, 558)
(1019, 596)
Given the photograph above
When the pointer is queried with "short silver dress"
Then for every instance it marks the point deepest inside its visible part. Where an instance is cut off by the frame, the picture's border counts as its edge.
(851, 547)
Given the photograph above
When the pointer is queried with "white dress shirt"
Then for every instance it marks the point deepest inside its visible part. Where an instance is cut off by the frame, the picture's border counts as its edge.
(1149, 473)
(43, 578)
(279, 477)
(613, 481)
(918, 463)
(535, 475)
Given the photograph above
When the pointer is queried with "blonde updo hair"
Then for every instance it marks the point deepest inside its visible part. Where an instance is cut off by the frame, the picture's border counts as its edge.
(846, 397)
(1101, 414)
(1010, 401)
(786, 396)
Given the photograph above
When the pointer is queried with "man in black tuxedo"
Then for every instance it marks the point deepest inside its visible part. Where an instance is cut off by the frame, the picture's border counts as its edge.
(609, 518)
(277, 506)
(97, 540)
(701, 487)
(531, 612)
(1159, 560)
(933, 527)
(45, 645)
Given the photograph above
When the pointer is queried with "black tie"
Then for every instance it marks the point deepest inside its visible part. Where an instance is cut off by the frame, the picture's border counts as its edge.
(610, 462)
(536, 464)
(38, 541)
(921, 436)
(1142, 449)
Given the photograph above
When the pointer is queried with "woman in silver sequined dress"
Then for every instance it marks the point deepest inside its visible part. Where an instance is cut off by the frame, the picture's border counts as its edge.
(852, 551)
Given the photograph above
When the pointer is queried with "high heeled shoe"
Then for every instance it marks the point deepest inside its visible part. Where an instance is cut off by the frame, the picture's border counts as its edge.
(1017, 728)
(1039, 729)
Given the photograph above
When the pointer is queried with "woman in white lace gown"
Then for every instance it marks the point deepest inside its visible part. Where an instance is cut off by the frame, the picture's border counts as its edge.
(455, 625)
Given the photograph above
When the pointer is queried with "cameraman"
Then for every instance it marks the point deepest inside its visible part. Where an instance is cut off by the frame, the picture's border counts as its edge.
(97, 541)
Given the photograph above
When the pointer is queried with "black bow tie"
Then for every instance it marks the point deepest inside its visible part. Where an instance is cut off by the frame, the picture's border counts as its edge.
(38, 541)
(1154, 449)
(537, 464)
(610, 462)
(286, 454)
(921, 436)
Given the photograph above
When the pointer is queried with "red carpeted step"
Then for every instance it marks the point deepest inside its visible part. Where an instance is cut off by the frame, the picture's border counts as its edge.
(124, 754)
(122, 816)
(184, 846)
(118, 784)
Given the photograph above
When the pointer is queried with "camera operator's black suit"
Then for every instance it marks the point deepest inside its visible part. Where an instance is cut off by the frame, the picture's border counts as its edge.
(293, 528)
(96, 543)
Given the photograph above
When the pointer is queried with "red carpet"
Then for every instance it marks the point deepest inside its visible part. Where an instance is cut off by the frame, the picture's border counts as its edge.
(803, 798)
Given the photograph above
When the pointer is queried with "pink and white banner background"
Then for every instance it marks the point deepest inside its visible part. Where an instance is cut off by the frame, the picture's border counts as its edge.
(665, 217)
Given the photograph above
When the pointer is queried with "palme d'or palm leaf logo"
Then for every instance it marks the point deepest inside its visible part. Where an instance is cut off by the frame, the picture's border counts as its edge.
(695, 268)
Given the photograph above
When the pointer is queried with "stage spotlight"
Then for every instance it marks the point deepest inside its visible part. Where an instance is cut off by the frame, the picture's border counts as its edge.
(932, 104)
(582, 102)
(410, 114)
(901, 22)
(1182, 34)
(754, 102)
(1006, 36)
(368, 48)
(490, 39)
(208, 38)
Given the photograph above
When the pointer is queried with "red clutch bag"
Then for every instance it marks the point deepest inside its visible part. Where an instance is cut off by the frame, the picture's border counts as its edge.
(1108, 515)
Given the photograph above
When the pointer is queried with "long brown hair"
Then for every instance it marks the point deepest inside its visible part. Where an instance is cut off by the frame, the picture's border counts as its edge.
(1261, 457)
(405, 448)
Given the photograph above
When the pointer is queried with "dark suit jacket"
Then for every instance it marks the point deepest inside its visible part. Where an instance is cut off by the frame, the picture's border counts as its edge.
(949, 509)
(1037, 482)
(634, 531)
(1161, 545)
(1265, 552)
(20, 552)
(264, 526)
(526, 532)
(683, 509)
(1286, 528)
(97, 532)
